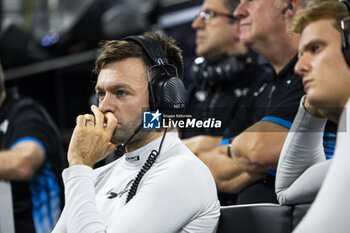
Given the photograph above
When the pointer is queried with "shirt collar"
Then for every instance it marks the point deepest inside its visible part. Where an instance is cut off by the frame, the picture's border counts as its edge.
(138, 157)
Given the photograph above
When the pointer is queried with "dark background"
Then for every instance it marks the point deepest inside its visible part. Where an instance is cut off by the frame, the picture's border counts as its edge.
(47, 47)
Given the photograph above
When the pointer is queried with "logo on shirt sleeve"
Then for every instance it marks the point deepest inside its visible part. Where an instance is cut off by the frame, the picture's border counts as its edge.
(4, 125)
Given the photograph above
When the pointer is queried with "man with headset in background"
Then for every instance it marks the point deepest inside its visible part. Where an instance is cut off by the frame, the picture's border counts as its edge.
(223, 74)
(324, 64)
(31, 159)
(158, 185)
(246, 165)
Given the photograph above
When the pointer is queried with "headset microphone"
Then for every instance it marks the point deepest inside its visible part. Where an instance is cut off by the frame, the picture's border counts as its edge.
(120, 150)
(167, 94)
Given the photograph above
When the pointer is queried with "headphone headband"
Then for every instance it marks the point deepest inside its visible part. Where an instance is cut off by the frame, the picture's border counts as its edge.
(151, 47)
(154, 51)
(346, 3)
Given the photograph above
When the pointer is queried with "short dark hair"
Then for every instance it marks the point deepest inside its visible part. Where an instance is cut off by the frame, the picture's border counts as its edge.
(117, 50)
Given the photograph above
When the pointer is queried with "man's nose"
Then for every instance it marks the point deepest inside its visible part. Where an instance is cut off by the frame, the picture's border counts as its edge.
(108, 103)
(240, 11)
(303, 65)
(197, 23)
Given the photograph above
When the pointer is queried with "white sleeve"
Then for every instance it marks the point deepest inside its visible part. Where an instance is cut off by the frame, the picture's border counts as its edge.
(79, 213)
(302, 164)
(331, 209)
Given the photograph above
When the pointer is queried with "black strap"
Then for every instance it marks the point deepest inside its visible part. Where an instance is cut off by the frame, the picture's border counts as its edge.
(151, 47)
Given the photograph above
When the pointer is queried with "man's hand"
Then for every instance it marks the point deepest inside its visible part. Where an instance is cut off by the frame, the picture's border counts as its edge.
(317, 112)
(91, 137)
(331, 113)
(229, 178)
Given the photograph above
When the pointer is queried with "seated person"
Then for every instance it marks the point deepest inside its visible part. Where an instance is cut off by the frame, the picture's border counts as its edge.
(302, 170)
(247, 165)
(245, 161)
(32, 159)
(302, 159)
(158, 185)
(224, 73)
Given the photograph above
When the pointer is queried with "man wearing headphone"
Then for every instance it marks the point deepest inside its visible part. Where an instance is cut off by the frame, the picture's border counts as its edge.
(224, 73)
(324, 65)
(158, 185)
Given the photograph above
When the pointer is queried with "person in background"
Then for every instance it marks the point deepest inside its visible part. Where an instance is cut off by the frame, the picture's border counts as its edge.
(158, 185)
(224, 72)
(32, 159)
(246, 165)
(324, 66)
(223, 78)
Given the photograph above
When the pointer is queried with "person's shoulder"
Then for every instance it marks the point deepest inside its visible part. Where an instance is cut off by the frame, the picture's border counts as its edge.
(105, 168)
(185, 170)
(182, 159)
(28, 107)
(21, 103)
(102, 171)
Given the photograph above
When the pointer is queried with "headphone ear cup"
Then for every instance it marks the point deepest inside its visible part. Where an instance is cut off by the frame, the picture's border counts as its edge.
(169, 94)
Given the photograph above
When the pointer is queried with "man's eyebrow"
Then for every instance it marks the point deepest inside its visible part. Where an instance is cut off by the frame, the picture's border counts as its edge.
(114, 87)
(311, 42)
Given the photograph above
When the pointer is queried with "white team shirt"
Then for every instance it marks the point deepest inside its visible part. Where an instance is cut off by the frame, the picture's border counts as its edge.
(177, 194)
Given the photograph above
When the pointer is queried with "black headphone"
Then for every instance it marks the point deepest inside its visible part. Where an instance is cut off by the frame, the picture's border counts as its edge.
(220, 70)
(166, 91)
(289, 7)
(345, 37)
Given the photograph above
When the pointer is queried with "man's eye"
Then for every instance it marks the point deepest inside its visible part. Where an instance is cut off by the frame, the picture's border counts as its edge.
(315, 48)
(121, 93)
(100, 95)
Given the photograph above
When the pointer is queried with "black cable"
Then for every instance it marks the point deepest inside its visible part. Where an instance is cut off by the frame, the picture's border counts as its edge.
(146, 166)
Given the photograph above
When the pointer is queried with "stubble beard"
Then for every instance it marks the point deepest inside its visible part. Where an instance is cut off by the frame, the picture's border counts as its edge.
(122, 134)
